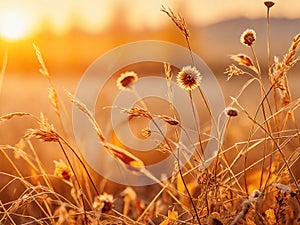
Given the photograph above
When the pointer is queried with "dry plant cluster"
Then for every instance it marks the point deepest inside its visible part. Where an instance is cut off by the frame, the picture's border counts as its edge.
(264, 191)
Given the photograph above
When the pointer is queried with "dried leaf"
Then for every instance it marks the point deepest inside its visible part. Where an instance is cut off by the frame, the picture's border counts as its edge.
(244, 60)
(130, 161)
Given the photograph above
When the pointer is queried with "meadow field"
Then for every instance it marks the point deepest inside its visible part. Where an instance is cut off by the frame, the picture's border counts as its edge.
(242, 163)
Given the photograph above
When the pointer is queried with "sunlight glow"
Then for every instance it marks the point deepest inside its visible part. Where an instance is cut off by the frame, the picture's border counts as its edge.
(14, 25)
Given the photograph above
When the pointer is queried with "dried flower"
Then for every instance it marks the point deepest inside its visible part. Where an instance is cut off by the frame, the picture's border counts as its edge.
(126, 80)
(62, 170)
(269, 4)
(188, 78)
(233, 70)
(248, 37)
(231, 112)
(103, 202)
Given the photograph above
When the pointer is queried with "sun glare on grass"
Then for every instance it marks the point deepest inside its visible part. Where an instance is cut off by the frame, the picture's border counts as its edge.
(14, 26)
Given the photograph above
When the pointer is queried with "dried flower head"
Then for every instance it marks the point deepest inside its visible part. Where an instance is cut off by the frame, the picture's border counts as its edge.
(248, 37)
(233, 70)
(269, 4)
(189, 78)
(103, 202)
(62, 170)
(231, 112)
(126, 80)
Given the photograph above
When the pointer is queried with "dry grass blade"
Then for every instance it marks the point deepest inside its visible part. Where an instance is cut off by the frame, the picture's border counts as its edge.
(43, 69)
(3, 68)
(275, 143)
(12, 115)
(87, 112)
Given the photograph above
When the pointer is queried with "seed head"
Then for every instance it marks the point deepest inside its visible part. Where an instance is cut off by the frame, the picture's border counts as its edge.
(269, 4)
(248, 37)
(126, 80)
(189, 78)
(231, 112)
(233, 70)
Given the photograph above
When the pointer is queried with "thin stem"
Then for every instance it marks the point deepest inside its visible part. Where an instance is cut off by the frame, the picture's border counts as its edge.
(169, 146)
(81, 162)
(276, 145)
(180, 172)
(196, 122)
(76, 178)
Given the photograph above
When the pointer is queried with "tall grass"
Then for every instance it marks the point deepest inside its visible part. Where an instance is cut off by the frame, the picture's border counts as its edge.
(237, 188)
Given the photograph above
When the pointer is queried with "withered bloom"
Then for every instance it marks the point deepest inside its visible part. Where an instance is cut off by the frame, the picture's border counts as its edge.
(248, 37)
(189, 78)
(126, 80)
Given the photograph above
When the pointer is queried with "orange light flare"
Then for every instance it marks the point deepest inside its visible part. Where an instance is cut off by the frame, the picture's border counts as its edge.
(16, 25)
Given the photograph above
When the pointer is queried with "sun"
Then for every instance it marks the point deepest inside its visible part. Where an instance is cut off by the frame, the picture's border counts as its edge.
(14, 25)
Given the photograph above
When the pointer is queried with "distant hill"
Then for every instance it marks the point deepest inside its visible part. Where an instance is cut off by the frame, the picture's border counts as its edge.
(215, 42)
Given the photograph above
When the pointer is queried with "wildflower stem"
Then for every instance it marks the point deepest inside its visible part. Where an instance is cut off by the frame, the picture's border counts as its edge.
(180, 172)
(276, 145)
(268, 42)
(77, 180)
(81, 162)
(197, 123)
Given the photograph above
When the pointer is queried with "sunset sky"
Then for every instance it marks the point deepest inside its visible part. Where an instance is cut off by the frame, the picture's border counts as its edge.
(19, 18)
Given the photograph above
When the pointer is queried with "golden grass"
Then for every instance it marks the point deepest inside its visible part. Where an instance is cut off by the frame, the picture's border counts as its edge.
(253, 180)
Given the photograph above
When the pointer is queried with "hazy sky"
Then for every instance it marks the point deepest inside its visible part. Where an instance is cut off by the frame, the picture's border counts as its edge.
(93, 15)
